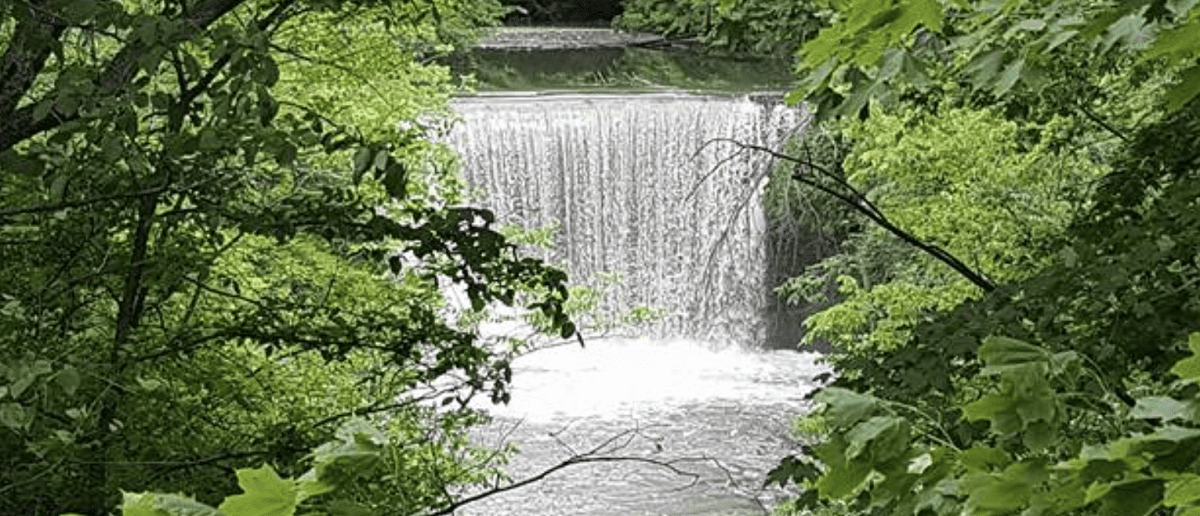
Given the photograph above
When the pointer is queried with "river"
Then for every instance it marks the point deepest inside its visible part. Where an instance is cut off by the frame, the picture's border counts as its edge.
(698, 425)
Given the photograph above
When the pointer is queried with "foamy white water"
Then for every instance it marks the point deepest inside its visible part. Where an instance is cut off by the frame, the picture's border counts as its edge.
(619, 379)
(721, 416)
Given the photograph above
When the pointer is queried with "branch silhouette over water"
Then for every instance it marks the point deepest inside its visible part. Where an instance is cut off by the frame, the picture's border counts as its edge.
(832, 184)
(605, 452)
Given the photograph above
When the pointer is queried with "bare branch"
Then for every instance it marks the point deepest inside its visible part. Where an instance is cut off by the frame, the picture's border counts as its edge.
(598, 454)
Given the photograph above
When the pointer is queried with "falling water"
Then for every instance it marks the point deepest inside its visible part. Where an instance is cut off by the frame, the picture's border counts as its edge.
(644, 187)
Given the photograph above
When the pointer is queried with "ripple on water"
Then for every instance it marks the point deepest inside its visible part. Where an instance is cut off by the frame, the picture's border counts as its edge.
(719, 416)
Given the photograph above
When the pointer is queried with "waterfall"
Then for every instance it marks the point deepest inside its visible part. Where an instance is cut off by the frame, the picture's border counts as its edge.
(639, 190)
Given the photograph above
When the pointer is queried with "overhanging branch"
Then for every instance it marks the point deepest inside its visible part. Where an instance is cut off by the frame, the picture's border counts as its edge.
(850, 196)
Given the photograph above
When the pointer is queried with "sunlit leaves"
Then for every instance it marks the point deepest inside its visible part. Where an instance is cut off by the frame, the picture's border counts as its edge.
(265, 495)
(339, 465)
(845, 407)
(1000, 46)
(160, 504)
(1188, 369)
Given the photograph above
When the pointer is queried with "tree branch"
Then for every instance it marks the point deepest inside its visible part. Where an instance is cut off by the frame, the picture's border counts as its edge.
(859, 202)
(26, 56)
(595, 455)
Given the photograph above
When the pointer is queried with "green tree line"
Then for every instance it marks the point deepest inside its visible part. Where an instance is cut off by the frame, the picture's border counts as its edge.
(225, 233)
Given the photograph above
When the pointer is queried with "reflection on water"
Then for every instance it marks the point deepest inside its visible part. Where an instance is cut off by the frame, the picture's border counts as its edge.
(703, 424)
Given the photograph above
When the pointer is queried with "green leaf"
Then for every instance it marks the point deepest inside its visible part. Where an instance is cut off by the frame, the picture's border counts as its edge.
(843, 480)
(1101, 23)
(286, 154)
(68, 379)
(984, 458)
(1039, 435)
(1131, 497)
(209, 140)
(1132, 31)
(568, 329)
(987, 407)
(381, 160)
(267, 73)
(362, 160)
(265, 494)
(995, 492)
(929, 13)
(1184, 91)
(158, 504)
(1003, 351)
(1008, 78)
(892, 62)
(309, 485)
(1182, 490)
(1188, 369)
(984, 67)
(863, 434)
(1178, 42)
(845, 407)
(1030, 25)
(15, 416)
(1159, 407)
(395, 180)
(1059, 38)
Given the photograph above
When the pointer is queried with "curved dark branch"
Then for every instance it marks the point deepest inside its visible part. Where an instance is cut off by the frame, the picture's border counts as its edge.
(597, 454)
(859, 202)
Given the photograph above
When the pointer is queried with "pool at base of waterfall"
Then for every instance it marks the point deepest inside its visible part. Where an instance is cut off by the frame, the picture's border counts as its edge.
(693, 428)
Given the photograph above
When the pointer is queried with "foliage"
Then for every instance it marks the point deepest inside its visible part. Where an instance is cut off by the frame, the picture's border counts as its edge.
(872, 459)
(361, 455)
(562, 11)
(994, 201)
(1099, 269)
(220, 242)
(872, 48)
(752, 26)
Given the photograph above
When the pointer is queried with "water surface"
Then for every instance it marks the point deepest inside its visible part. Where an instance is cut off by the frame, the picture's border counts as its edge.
(720, 416)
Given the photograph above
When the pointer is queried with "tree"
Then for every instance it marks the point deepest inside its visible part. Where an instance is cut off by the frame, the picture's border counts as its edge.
(874, 49)
(938, 409)
(224, 230)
